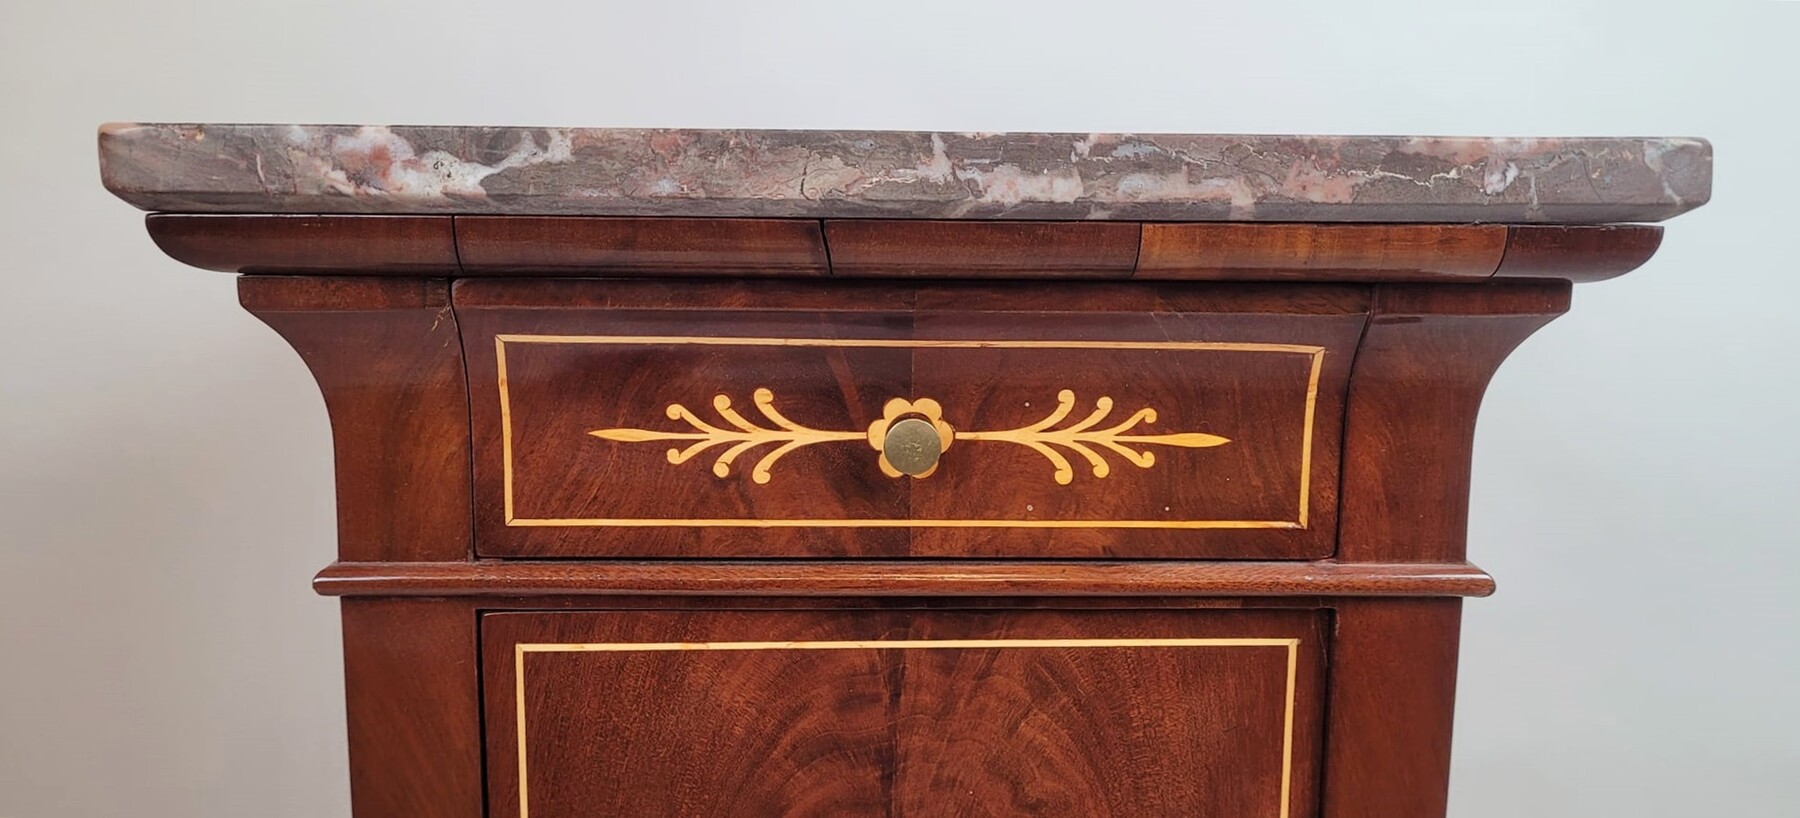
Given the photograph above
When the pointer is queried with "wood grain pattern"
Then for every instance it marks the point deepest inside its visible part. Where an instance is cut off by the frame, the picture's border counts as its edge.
(900, 578)
(624, 246)
(1271, 383)
(386, 355)
(684, 247)
(1005, 669)
(962, 727)
(338, 245)
(1393, 693)
(1409, 429)
(1320, 252)
(411, 682)
(569, 603)
(963, 249)
(1581, 254)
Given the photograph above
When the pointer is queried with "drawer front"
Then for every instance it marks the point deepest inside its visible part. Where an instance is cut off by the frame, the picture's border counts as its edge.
(841, 713)
(650, 420)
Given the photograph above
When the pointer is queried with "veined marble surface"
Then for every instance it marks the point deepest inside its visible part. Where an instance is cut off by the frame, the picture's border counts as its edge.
(890, 174)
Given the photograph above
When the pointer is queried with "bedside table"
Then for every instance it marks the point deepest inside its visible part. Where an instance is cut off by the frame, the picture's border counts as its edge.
(763, 473)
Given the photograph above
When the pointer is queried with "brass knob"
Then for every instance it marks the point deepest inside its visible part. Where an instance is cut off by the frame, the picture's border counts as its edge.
(912, 446)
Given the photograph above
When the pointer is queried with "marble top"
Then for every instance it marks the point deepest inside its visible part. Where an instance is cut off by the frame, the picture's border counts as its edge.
(907, 175)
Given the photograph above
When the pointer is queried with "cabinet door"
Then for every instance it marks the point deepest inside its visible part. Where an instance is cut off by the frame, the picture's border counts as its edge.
(903, 713)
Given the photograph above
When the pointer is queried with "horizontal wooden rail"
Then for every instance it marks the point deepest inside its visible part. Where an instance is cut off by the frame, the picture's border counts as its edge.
(899, 578)
(886, 248)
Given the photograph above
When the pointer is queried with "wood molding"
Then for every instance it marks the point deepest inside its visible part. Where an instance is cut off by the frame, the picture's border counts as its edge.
(386, 354)
(547, 245)
(586, 246)
(1321, 252)
(970, 249)
(1409, 423)
(344, 245)
(1578, 253)
(891, 578)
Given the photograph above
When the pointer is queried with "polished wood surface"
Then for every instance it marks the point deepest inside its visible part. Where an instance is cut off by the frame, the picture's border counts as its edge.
(898, 713)
(618, 246)
(387, 356)
(1578, 253)
(1409, 430)
(1313, 252)
(412, 690)
(904, 578)
(1393, 691)
(953, 249)
(583, 246)
(1213, 428)
(503, 438)
(342, 245)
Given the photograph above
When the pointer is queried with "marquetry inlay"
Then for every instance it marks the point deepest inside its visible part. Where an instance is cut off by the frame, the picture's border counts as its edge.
(1081, 438)
(1091, 440)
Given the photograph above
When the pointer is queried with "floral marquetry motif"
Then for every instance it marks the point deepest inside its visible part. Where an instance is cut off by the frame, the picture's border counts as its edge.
(1085, 440)
(742, 437)
(1082, 438)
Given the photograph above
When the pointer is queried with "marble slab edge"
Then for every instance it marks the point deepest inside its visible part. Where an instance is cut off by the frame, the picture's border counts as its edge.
(197, 168)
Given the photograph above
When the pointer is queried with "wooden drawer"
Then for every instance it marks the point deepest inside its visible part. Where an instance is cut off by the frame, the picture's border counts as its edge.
(903, 713)
(615, 418)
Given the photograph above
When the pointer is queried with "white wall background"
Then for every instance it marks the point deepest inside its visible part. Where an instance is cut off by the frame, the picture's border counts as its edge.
(165, 476)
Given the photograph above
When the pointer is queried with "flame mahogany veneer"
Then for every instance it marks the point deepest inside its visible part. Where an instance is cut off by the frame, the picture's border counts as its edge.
(619, 533)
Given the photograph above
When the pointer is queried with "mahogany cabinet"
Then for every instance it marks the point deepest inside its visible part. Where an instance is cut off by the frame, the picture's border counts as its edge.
(764, 473)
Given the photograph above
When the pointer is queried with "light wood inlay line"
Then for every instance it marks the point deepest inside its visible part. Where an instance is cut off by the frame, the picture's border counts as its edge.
(1306, 435)
(899, 644)
(506, 453)
(722, 340)
(1290, 645)
(1315, 354)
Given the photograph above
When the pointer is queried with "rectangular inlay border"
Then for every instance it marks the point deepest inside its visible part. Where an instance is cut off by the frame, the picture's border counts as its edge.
(1316, 354)
(1292, 646)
